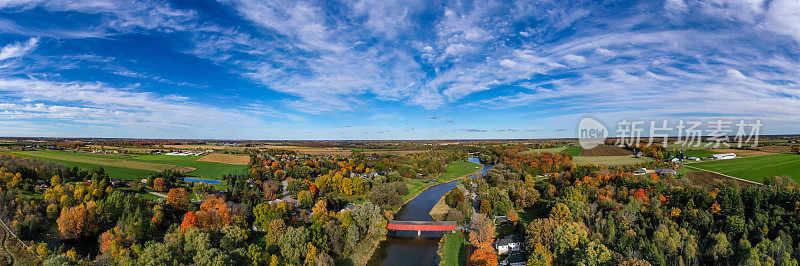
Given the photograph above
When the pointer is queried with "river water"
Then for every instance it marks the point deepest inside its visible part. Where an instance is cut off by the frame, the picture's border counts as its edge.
(405, 247)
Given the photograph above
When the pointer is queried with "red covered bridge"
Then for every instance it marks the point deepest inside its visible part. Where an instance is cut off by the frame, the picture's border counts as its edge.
(420, 226)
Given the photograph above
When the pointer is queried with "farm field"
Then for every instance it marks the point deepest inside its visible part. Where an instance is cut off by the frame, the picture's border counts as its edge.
(756, 168)
(610, 160)
(741, 152)
(206, 170)
(672, 146)
(606, 151)
(775, 149)
(226, 158)
(574, 150)
(133, 167)
(104, 160)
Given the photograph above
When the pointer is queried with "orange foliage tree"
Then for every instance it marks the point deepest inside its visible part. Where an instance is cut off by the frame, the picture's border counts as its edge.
(189, 220)
(214, 214)
(178, 198)
(482, 234)
(76, 221)
(483, 256)
(159, 184)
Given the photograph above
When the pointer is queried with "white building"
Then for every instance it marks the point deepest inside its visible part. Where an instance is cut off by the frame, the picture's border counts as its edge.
(723, 156)
(508, 243)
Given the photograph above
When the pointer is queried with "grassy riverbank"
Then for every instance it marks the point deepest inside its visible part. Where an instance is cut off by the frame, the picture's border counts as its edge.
(452, 249)
(455, 171)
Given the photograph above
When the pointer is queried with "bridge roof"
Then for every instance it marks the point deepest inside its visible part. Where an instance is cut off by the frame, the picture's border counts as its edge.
(422, 222)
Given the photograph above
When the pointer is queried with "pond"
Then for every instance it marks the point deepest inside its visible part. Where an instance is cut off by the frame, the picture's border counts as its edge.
(207, 181)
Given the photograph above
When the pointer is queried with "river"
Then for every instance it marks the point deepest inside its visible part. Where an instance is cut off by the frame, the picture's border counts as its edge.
(406, 248)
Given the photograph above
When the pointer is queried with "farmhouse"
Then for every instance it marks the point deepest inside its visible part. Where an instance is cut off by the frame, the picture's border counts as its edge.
(723, 156)
(642, 171)
(508, 243)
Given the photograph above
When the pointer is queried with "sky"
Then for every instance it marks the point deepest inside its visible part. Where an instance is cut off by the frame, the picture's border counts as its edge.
(382, 69)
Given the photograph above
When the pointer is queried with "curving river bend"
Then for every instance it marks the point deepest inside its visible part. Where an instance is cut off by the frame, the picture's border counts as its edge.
(406, 248)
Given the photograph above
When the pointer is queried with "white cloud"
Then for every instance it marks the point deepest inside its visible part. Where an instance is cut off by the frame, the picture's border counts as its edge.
(733, 73)
(17, 49)
(783, 16)
(575, 58)
(127, 111)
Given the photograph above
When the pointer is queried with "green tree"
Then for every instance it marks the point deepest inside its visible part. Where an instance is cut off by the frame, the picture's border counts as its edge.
(293, 244)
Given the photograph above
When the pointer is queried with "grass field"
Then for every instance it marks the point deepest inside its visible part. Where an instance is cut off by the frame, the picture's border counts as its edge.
(454, 252)
(756, 168)
(130, 168)
(574, 150)
(610, 160)
(454, 170)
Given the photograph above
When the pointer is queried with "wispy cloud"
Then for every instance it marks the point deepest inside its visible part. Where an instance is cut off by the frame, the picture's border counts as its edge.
(17, 49)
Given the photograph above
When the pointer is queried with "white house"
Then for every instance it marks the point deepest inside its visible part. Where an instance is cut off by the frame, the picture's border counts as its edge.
(723, 156)
(508, 243)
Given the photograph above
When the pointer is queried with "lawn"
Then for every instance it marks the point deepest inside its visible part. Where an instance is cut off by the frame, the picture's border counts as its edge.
(454, 170)
(454, 252)
(134, 167)
(756, 168)
(610, 160)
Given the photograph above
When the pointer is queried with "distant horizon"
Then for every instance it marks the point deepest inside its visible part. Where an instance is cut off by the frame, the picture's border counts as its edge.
(645, 138)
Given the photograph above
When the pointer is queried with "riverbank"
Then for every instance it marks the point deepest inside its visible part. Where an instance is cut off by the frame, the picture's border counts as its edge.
(454, 172)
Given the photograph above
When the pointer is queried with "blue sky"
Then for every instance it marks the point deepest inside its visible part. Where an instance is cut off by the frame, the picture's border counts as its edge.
(249, 69)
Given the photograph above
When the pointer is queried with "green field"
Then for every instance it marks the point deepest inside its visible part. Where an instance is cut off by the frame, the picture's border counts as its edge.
(134, 167)
(756, 168)
(454, 252)
(610, 160)
(454, 170)
(207, 170)
(574, 150)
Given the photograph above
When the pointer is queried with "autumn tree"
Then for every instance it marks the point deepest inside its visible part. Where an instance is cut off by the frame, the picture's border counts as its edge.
(214, 214)
(189, 220)
(178, 198)
(483, 256)
(159, 184)
(77, 221)
(482, 233)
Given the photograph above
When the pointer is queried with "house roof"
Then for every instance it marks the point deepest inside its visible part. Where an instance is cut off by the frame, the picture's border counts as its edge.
(507, 240)
(665, 171)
